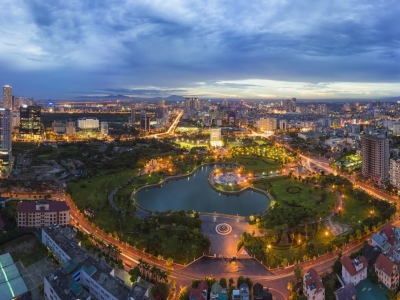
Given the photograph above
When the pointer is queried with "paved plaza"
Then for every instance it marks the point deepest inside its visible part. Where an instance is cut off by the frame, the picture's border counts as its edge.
(225, 245)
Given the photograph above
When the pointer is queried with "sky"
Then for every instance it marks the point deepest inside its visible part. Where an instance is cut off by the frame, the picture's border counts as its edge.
(271, 49)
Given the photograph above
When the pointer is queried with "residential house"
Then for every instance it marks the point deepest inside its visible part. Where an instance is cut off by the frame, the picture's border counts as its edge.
(354, 270)
(347, 292)
(259, 293)
(313, 288)
(200, 292)
(387, 271)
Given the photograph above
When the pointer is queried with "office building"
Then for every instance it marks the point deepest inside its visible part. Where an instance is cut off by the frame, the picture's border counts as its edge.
(132, 119)
(41, 213)
(192, 103)
(18, 103)
(283, 125)
(7, 97)
(291, 105)
(88, 123)
(160, 110)
(30, 121)
(375, 157)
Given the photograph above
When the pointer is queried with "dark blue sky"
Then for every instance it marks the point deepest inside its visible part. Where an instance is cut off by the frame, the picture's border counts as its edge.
(206, 48)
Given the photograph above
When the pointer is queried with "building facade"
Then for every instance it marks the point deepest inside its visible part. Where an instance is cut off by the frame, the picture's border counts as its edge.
(88, 123)
(41, 213)
(354, 270)
(267, 124)
(387, 271)
(144, 121)
(5, 139)
(104, 128)
(375, 158)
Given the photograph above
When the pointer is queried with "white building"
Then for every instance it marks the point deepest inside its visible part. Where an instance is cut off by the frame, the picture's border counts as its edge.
(215, 137)
(104, 128)
(283, 125)
(38, 214)
(354, 270)
(313, 288)
(88, 123)
(70, 128)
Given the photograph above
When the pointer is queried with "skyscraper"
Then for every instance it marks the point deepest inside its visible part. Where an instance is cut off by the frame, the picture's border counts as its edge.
(7, 97)
(375, 157)
(144, 121)
(5, 138)
(30, 121)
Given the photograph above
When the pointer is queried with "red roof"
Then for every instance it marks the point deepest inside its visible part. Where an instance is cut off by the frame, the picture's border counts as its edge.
(350, 265)
(200, 288)
(312, 278)
(385, 264)
(54, 206)
(387, 231)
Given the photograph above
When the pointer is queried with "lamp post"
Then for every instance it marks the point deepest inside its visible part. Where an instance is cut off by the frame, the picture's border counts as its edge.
(268, 250)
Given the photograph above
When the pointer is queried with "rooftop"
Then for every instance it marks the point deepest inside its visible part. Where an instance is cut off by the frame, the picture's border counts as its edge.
(80, 259)
(42, 205)
(11, 283)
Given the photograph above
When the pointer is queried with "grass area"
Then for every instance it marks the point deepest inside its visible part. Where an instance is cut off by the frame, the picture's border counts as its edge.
(292, 193)
(353, 211)
(93, 191)
(257, 165)
(25, 248)
(191, 145)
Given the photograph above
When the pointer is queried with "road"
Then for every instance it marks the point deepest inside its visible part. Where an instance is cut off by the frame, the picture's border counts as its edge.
(170, 130)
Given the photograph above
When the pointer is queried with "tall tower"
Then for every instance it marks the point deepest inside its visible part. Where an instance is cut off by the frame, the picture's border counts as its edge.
(5, 128)
(7, 97)
(375, 158)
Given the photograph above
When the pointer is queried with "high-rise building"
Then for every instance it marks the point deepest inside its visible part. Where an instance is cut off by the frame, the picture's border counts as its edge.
(104, 128)
(283, 125)
(5, 138)
(5, 128)
(30, 122)
(267, 124)
(192, 103)
(375, 157)
(144, 121)
(160, 109)
(322, 109)
(70, 128)
(291, 105)
(215, 137)
(7, 97)
(18, 103)
(132, 118)
(394, 172)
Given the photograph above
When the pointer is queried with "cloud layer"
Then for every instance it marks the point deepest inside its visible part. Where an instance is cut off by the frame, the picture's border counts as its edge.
(244, 49)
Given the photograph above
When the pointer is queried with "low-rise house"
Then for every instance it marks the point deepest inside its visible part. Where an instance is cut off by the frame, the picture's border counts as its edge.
(354, 270)
(387, 271)
(313, 288)
(347, 292)
(200, 292)
(218, 292)
(244, 291)
(259, 293)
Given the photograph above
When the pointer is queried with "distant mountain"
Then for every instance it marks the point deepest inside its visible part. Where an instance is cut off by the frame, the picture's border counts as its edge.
(123, 97)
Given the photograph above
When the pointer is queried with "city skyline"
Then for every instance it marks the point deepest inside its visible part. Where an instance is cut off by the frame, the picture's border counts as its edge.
(271, 50)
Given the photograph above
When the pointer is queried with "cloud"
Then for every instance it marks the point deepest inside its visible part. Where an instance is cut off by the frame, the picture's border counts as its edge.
(174, 45)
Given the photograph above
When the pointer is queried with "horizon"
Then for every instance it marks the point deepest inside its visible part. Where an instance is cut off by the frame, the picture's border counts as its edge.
(266, 50)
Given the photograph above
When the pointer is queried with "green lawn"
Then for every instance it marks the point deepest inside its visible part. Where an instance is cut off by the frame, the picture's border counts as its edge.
(257, 165)
(93, 191)
(289, 191)
(352, 211)
(25, 248)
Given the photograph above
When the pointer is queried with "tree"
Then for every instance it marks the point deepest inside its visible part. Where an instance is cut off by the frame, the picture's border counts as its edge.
(240, 281)
(160, 291)
(337, 267)
(231, 281)
(358, 234)
(222, 282)
(184, 293)
(298, 272)
(284, 262)
(169, 262)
